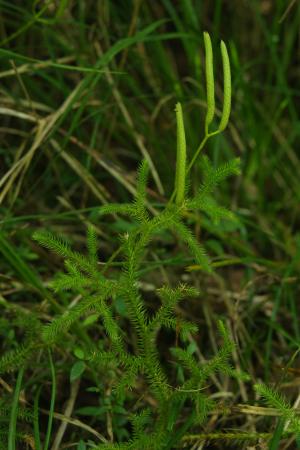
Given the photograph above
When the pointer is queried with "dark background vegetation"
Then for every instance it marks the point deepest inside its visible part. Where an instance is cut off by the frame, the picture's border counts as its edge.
(77, 116)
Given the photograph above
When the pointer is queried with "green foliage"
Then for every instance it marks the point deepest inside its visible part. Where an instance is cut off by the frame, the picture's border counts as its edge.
(180, 157)
(73, 130)
(210, 94)
(14, 358)
(14, 412)
(139, 208)
(210, 82)
(227, 88)
(274, 399)
(59, 246)
(197, 250)
(97, 292)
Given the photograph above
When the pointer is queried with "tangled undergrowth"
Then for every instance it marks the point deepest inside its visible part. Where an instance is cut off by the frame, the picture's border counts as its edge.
(173, 323)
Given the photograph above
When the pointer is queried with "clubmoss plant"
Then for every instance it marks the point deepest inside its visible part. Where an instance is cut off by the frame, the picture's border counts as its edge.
(289, 418)
(163, 426)
(210, 94)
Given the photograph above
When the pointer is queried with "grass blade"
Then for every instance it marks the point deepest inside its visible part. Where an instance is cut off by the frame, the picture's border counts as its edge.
(36, 427)
(52, 403)
(14, 412)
